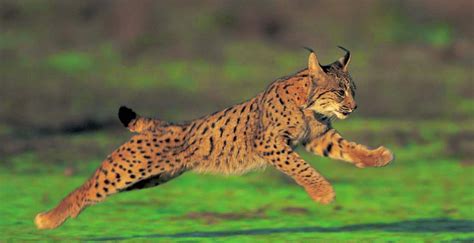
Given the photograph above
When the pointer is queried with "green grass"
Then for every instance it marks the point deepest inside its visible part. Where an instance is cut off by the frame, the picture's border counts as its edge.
(410, 200)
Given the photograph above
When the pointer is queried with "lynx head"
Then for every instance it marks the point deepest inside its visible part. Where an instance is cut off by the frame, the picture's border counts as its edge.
(333, 89)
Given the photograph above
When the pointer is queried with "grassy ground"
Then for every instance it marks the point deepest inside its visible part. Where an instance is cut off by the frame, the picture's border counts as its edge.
(424, 195)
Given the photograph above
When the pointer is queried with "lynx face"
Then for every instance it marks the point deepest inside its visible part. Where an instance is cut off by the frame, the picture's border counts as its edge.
(333, 95)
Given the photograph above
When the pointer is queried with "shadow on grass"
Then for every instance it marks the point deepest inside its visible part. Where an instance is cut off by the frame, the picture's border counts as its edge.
(438, 225)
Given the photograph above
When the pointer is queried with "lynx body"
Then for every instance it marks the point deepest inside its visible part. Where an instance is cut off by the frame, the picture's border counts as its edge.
(263, 131)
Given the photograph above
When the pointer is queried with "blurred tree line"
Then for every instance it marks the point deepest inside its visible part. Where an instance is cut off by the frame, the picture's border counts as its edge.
(63, 62)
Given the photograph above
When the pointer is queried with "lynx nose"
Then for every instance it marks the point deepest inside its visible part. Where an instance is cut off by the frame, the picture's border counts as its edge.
(352, 105)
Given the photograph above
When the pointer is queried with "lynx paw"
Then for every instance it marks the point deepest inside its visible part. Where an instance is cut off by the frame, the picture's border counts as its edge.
(44, 221)
(322, 194)
(377, 158)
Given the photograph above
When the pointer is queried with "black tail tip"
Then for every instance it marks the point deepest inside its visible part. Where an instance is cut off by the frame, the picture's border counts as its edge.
(126, 115)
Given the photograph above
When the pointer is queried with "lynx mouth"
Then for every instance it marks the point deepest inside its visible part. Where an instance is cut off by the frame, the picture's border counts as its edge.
(342, 114)
(345, 113)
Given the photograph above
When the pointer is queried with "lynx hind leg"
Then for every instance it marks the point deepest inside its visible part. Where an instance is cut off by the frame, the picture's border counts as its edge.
(70, 206)
(139, 163)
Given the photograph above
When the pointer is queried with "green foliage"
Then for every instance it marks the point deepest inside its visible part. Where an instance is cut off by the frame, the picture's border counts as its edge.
(12, 40)
(465, 106)
(392, 26)
(5, 129)
(70, 62)
(438, 35)
(179, 75)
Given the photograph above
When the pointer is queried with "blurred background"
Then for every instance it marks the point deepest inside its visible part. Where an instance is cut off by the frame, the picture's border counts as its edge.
(66, 67)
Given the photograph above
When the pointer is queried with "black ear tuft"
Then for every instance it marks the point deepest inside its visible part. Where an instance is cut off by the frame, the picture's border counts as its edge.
(126, 115)
(309, 49)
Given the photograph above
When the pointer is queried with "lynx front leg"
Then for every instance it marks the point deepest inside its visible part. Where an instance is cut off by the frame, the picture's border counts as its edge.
(331, 144)
(287, 161)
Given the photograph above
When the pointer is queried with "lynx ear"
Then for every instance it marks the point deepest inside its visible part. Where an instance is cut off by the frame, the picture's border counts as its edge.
(344, 61)
(313, 63)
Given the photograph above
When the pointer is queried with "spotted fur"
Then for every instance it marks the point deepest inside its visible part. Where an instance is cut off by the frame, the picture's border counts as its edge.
(293, 110)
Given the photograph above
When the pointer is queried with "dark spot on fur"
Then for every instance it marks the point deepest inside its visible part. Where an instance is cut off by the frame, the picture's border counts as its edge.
(327, 150)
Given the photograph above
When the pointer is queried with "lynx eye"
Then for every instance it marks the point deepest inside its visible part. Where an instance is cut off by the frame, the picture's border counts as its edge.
(340, 92)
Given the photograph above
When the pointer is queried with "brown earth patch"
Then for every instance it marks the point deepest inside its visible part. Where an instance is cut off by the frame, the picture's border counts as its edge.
(215, 217)
(294, 210)
(461, 145)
